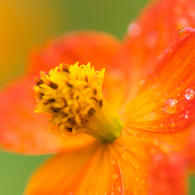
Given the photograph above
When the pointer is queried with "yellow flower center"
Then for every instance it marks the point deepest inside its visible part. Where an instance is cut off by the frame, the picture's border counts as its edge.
(73, 96)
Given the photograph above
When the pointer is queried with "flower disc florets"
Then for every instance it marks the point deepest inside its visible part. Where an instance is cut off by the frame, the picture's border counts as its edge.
(70, 94)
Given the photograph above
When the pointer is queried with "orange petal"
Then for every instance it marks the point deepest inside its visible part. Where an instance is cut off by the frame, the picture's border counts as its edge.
(84, 171)
(167, 175)
(96, 47)
(189, 151)
(105, 169)
(23, 131)
(101, 49)
(155, 30)
(165, 102)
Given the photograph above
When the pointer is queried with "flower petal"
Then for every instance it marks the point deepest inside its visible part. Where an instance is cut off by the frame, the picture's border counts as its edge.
(23, 131)
(167, 175)
(189, 151)
(118, 168)
(165, 102)
(84, 171)
(155, 30)
(101, 49)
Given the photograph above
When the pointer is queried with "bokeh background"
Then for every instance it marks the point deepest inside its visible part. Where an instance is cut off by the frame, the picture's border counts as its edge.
(26, 24)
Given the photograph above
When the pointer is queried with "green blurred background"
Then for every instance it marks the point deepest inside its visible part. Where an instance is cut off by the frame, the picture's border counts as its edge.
(25, 24)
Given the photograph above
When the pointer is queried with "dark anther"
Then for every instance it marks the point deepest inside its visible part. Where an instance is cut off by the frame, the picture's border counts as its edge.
(91, 111)
(72, 121)
(86, 79)
(39, 95)
(55, 109)
(49, 101)
(38, 81)
(68, 129)
(95, 91)
(69, 85)
(100, 103)
(53, 85)
(65, 102)
(84, 121)
(65, 67)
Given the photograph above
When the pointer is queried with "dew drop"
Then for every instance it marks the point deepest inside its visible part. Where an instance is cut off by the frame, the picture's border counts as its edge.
(151, 39)
(185, 31)
(182, 23)
(190, 93)
(133, 30)
(161, 125)
(123, 156)
(114, 176)
(186, 116)
(170, 106)
(172, 124)
(119, 189)
(113, 162)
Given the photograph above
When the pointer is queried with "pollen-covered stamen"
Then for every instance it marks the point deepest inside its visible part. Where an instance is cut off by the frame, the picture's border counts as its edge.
(73, 95)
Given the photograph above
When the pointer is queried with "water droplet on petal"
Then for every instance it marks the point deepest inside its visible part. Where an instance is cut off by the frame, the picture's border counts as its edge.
(186, 116)
(161, 125)
(119, 188)
(172, 124)
(185, 31)
(133, 29)
(189, 94)
(113, 162)
(182, 23)
(170, 106)
(114, 176)
(151, 39)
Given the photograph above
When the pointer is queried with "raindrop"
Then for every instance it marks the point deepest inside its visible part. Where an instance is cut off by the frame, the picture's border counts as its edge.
(119, 188)
(186, 116)
(172, 124)
(161, 125)
(152, 39)
(133, 30)
(185, 31)
(114, 176)
(182, 23)
(113, 162)
(170, 106)
(190, 93)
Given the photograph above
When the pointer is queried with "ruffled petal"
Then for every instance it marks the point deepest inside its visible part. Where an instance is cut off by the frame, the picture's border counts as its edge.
(23, 131)
(101, 49)
(165, 102)
(155, 30)
(103, 169)
(167, 175)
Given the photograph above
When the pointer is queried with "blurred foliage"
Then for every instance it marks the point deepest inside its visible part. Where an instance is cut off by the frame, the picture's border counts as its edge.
(27, 24)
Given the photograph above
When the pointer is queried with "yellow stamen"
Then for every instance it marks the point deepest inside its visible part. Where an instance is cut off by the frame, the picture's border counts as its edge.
(73, 95)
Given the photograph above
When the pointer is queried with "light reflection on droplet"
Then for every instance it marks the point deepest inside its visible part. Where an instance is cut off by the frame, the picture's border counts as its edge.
(189, 94)
(114, 176)
(113, 162)
(172, 124)
(170, 106)
(182, 23)
(133, 30)
(186, 116)
(185, 31)
(151, 39)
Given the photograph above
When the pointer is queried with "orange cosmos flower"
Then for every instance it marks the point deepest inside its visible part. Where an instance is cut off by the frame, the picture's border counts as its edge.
(107, 130)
